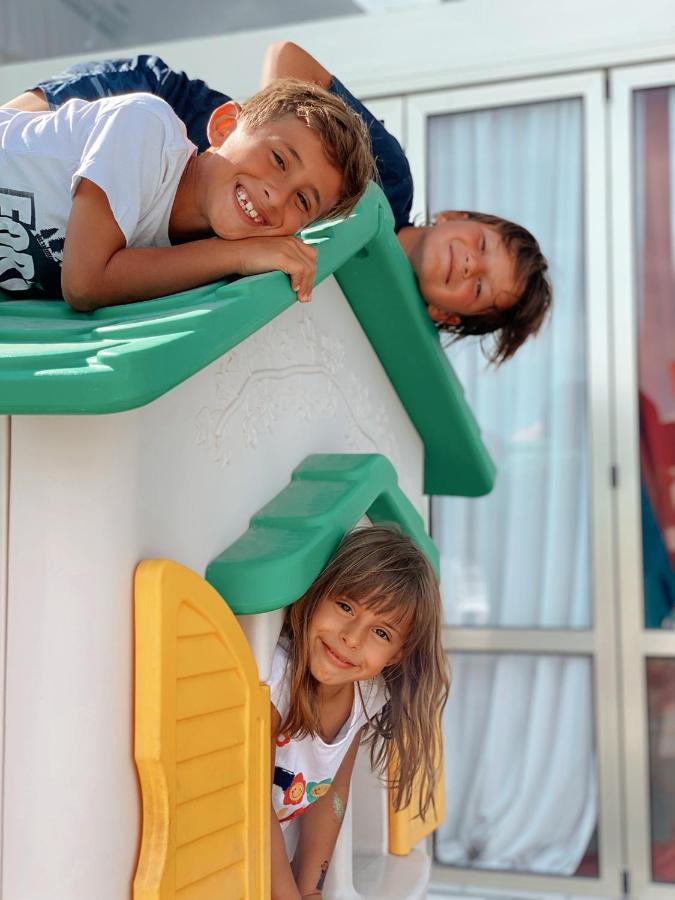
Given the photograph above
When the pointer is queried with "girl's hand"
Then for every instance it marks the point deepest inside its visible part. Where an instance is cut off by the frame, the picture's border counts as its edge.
(284, 254)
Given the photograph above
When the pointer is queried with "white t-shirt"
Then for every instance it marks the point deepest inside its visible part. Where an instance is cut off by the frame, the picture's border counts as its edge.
(304, 769)
(133, 147)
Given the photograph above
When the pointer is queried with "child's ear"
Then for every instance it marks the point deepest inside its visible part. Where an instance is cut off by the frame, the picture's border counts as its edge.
(441, 316)
(222, 122)
(450, 215)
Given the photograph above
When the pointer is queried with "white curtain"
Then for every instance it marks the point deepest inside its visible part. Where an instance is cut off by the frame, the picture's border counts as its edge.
(520, 759)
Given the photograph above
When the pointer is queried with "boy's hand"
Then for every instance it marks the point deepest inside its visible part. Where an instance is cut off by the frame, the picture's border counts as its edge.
(283, 254)
(100, 270)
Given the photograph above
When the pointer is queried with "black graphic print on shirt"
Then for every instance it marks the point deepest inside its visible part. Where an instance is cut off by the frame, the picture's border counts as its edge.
(30, 259)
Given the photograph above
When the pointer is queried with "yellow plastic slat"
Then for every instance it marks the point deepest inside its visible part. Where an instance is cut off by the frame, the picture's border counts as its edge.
(211, 813)
(204, 774)
(226, 883)
(209, 732)
(201, 654)
(209, 854)
(406, 828)
(201, 744)
(208, 693)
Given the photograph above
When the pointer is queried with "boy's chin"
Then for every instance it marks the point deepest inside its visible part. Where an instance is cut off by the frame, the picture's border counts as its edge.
(238, 232)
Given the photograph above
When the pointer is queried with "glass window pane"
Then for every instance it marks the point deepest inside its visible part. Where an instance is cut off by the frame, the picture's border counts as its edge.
(661, 705)
(520, 765)
(520, 556)
(655, 256)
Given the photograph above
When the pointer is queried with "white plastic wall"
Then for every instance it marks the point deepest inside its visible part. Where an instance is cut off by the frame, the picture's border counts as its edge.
(90, 497)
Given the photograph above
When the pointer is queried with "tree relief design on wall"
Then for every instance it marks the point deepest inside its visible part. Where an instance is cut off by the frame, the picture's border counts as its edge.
(299, 373)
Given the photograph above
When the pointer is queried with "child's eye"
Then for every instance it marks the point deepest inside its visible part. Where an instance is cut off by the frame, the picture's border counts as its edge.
(279, 160)
(381, 633)
(303, 200)
(482, 244)
(479, 288)
(344, 606)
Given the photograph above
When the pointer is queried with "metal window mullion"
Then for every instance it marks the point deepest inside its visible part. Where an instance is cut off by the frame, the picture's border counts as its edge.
(599, 391)
(516, 640)
(533, 885)
(599, 643)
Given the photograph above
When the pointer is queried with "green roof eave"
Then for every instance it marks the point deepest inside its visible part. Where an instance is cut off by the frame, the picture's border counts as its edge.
(290, 540)
(54, 360)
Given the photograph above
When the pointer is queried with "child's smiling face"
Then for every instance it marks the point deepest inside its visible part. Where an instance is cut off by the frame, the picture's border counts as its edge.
(350, 642)
(270, 180)
(463, 267)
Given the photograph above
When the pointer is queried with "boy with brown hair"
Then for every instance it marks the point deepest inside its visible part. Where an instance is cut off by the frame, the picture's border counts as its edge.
(478, 274)
(108, 202)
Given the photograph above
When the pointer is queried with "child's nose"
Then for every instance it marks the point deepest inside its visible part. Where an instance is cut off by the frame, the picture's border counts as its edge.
(350, 637)
(277, 195)
(469, 265)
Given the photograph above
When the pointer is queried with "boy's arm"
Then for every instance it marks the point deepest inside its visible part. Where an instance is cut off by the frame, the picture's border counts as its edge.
(93, 80)
(191, 99)
(284, 59)
(29, 101)
(283, 882)
(100, 270)
(320, 826)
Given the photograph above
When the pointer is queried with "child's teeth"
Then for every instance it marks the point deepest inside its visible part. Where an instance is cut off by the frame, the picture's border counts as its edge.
(246, 204)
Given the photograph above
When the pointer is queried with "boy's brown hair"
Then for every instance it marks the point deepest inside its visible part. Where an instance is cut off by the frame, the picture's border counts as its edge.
(380, 568)
(343, 133)
(511, 327)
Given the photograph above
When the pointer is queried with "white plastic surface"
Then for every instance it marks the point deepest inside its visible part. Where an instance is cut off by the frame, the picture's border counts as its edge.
(89, 498)
(361, 868)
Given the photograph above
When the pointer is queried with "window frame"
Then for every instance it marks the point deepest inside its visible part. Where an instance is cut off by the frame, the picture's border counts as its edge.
(599, 642)
(637, 643)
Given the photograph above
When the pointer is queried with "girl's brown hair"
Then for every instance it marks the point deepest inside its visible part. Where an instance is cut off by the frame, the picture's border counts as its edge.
(380, 568)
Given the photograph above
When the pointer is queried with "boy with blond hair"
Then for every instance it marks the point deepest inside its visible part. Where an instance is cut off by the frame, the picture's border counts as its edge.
(109, 202)
(478, 274)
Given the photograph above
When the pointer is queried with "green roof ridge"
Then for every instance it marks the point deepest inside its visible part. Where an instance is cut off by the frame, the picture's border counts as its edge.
(290, 540)
(57, 361)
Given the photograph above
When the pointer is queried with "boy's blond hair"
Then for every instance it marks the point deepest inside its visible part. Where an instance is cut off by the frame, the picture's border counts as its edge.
(343, 133)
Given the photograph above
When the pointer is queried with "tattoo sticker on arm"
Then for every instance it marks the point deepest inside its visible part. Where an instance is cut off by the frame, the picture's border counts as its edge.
(338, 806)
(324, 869)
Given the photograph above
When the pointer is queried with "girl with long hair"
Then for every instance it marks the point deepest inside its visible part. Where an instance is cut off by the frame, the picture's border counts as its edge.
(359, 661)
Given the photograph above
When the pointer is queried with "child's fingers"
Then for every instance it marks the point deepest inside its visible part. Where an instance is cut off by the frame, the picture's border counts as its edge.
(302, 269)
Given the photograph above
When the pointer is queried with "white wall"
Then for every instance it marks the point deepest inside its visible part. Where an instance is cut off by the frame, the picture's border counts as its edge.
(91, 497)
(457, 43)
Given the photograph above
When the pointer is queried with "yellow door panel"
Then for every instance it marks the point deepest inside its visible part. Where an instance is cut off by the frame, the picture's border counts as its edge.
(406, 828)
(201, 744)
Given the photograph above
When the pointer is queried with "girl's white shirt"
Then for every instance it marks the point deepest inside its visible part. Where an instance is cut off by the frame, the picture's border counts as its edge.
(305, 768)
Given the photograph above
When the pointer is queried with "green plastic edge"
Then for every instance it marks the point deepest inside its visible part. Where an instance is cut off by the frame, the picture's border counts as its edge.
(54, 360)
(380, 286)
(290, 540)
(57, 361)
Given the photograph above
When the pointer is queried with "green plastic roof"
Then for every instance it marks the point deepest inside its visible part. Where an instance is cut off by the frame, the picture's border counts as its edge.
(291, 539)
(56, 360)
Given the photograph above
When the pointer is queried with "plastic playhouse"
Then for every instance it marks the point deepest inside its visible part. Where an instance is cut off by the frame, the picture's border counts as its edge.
(174, 474)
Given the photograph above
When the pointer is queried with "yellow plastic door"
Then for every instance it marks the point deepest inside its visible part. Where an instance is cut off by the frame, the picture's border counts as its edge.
(201, 744)
(406, 829)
